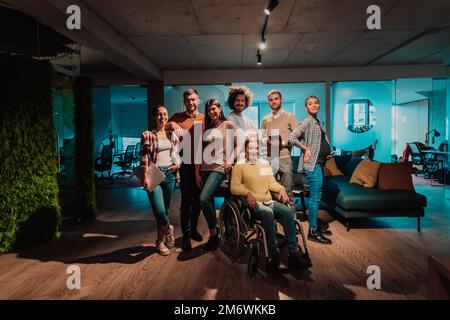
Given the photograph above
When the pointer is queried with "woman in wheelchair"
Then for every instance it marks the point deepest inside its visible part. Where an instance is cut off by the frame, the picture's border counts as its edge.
(254, 180)
(210, 173)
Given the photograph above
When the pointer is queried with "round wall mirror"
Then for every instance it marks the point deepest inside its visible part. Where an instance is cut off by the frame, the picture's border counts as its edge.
(359, 115)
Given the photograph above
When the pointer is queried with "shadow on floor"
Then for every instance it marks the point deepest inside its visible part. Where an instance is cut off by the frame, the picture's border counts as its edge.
(92, 241)
(285, 284)
(126, 256)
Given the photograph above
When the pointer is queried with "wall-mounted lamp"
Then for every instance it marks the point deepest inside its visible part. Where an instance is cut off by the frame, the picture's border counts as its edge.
(271, 5)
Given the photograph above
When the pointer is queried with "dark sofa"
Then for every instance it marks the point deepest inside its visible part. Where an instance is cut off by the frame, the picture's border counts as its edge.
(354, 201)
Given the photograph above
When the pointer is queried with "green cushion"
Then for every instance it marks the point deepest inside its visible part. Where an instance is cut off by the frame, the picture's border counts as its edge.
(349, 196)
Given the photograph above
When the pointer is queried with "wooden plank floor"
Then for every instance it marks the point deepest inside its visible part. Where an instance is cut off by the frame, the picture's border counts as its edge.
(117, 258)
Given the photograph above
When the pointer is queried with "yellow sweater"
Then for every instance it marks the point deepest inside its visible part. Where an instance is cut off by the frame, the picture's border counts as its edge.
(248, 177)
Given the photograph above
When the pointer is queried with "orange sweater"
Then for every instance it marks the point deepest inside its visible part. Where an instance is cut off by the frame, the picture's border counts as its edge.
(186, 122)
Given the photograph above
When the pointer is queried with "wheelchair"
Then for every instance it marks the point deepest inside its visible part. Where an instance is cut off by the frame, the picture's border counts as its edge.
(239, 229)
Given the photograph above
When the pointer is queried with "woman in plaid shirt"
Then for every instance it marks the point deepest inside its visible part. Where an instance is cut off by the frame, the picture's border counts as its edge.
(312, 139)
(161, 148)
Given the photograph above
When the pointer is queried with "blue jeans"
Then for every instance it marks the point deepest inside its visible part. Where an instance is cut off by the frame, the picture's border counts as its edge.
(315, 179)
(161, 197)
(211, 182)
(268, 214)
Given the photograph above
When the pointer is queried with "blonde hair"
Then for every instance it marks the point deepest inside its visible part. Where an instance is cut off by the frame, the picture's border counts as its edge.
(274, 91)
(311, 97)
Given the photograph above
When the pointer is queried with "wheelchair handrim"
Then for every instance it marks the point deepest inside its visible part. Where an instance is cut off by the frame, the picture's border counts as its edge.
(230, 228)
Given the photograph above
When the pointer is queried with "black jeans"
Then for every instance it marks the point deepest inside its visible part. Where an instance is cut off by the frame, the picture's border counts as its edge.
(190, 200)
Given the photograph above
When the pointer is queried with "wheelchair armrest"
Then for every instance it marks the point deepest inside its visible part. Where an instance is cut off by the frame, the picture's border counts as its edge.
(297, 192)
(241, 201)
(242, 204)
(275, 197)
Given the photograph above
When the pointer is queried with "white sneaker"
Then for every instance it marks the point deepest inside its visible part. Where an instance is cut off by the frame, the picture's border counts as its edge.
(170, 239)
(162, 249)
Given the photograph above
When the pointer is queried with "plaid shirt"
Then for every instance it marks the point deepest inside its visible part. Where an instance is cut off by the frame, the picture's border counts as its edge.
(149, 148)
(307, 135)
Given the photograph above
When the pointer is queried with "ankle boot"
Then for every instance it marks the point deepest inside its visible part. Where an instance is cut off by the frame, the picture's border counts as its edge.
(212, 243)
(316, 236)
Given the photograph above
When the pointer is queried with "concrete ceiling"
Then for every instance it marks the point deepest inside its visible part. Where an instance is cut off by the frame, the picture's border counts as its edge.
(217, 34)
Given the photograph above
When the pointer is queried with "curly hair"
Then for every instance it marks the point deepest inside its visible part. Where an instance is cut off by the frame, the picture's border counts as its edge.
(235, 91)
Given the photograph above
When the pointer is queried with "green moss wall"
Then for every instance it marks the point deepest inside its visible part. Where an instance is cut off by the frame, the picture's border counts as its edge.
(29, 209)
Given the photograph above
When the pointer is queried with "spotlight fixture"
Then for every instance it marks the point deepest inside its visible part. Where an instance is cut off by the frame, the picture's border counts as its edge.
(262, 44)
(271, 5)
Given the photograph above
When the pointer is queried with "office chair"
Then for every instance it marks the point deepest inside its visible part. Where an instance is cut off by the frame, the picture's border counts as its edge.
(433, 163)
(417, 157)
(437, 163)
(104, 162)
(126, 161)
(137, 154)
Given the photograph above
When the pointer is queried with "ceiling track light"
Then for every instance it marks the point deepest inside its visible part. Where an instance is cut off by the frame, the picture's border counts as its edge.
(270, 6)
(262, 43)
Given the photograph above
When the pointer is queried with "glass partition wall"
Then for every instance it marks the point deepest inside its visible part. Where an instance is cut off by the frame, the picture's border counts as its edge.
(388, 115)
(361, 113)
(412, 112)
(382, 119)
(447, 162)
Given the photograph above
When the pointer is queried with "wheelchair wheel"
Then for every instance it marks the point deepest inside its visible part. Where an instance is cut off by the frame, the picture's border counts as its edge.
(252, 266)
(230, 228)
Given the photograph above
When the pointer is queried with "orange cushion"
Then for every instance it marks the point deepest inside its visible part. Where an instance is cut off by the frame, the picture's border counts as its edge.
(366, 173)
(331, 169)
(395, 176)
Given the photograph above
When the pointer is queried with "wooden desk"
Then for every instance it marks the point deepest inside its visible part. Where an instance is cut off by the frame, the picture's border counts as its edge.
(439, 277)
